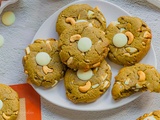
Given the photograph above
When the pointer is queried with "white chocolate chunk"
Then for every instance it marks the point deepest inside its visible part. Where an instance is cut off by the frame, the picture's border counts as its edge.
(131, 49)
(109, 67)
(115, 23)
(104, 77)
(150, 118)
(43, 58)
(84, 75)
(90, 25)
(1, 40)
(120, 40)
(27, 50)
(122, 29)
(127, 81)
(1, 104)
(90, 13)
(138, 86)
(84, 44)
(95, 86)
(81, 21)
(8, 18)
(55, 83)
(102, 18)
(105, 84)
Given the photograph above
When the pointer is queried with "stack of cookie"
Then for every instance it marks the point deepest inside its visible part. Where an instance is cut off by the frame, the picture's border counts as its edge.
(83, 48)
(79, 56)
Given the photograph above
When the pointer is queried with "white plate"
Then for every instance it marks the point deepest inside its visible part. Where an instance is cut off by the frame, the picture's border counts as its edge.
(57, 95)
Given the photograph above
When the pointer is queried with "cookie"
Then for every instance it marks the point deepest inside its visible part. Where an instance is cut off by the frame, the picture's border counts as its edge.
(86, 87)
(42, 63)
(136, 78)
(9, 103)
(82, 46)
(155, 115)
(130, 39)
(80, 13)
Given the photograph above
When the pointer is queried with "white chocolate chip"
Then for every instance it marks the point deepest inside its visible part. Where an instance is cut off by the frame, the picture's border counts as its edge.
(81, 21)
(8, 18)
(150, 118)
(1, 40)
(90, 13)
(95, 86)
(84, 75)
(1, 104)
(84, 44)
(120, 40)
(43, 58)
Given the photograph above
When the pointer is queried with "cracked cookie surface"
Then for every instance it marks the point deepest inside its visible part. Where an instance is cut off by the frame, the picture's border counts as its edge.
(138, 36)
(9, 103)
(86, 91)
(80, 13)
(93, 40)
(136, 78)
(42, 63)
(155, 115)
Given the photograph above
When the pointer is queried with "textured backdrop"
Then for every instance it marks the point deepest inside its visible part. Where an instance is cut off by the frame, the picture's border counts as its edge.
(30, 14)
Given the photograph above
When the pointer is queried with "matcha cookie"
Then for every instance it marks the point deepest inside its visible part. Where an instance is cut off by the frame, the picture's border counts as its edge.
(80, 13)
(9, 103)
(136, 78)
(155, 115)
(130, 39)
(85, 87)
(42, 63)
(82, 46)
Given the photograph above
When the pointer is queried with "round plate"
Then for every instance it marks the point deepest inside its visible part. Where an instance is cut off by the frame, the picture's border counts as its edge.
(57, 94)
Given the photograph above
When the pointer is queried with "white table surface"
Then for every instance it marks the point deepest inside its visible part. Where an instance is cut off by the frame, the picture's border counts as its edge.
(30, 14)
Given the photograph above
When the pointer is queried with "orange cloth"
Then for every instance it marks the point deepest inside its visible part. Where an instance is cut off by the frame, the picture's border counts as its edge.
(32, 101)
